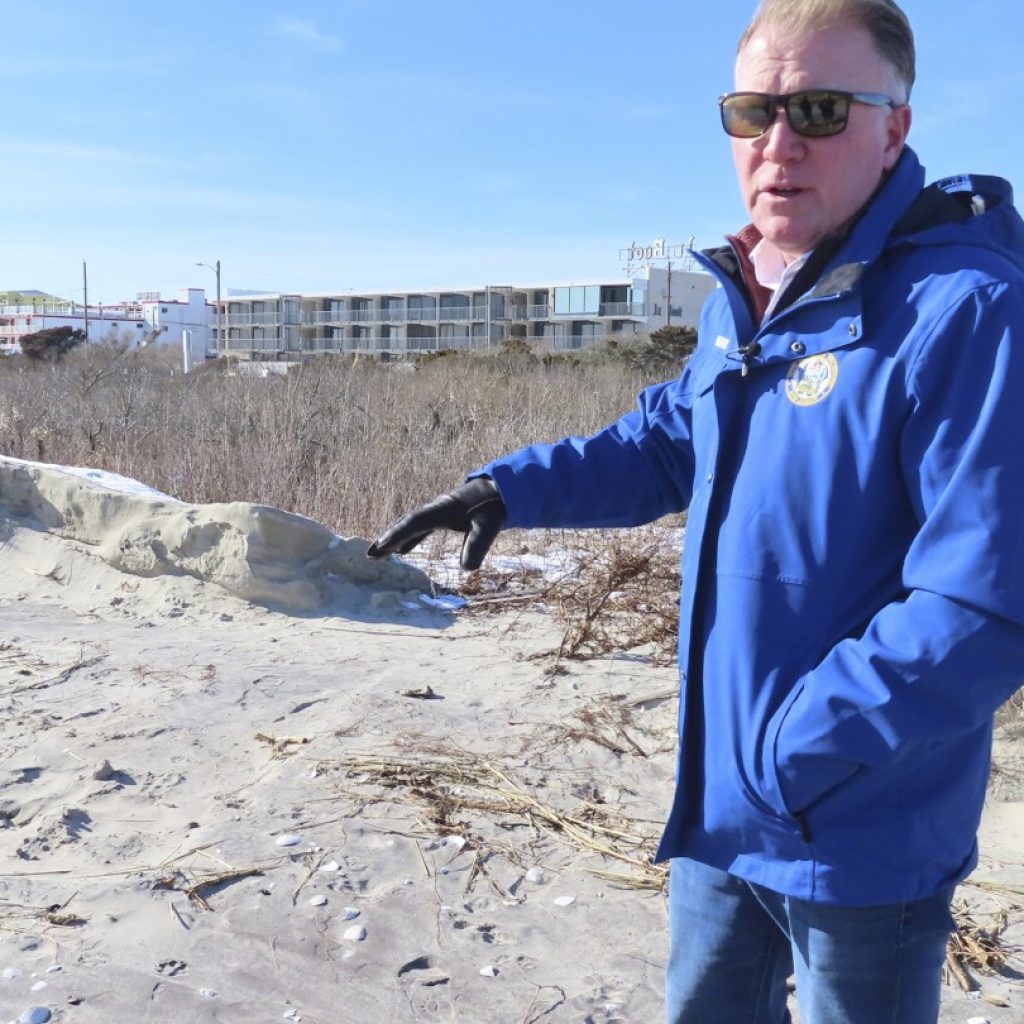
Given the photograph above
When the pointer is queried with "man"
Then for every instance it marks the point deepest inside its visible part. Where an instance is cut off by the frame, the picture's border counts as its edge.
(846, 440)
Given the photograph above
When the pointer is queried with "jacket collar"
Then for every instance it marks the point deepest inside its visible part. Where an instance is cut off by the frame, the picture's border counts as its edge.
(837, 263)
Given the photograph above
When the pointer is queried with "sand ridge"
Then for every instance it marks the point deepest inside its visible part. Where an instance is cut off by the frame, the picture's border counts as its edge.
(257, 552)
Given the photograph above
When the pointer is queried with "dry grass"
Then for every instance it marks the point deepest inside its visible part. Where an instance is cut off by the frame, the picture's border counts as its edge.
(350, 443)
(456, 791)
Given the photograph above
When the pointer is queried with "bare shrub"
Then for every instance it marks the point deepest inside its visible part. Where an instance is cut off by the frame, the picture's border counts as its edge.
(624, 596)
(352, 443)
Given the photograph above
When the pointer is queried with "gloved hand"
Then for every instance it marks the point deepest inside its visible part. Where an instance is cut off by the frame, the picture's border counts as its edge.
(474, 509)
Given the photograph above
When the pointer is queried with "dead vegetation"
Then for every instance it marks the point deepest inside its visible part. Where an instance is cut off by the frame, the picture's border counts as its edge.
(977, 944)
(351, 443)
(452, 794)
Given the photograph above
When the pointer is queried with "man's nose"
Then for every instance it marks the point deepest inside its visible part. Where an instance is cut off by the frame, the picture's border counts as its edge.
(780, 142)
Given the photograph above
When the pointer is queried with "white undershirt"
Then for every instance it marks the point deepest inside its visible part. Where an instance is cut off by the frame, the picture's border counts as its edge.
(772, 271)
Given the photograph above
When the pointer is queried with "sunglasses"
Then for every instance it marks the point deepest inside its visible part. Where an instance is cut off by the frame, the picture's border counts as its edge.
(814, 113)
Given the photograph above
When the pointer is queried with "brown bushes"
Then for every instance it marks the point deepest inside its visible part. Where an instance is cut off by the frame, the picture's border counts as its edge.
(350, 443)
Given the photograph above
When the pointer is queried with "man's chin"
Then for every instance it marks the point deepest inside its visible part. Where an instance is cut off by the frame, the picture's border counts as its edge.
(790, 237)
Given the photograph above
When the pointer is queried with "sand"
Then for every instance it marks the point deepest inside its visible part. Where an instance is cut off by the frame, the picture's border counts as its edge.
(187, 689)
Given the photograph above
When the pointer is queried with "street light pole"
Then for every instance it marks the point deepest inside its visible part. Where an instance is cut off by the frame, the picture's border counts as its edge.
(85, 300)
(220, 324)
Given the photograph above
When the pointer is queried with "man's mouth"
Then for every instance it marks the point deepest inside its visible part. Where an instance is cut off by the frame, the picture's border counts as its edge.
(784, 193)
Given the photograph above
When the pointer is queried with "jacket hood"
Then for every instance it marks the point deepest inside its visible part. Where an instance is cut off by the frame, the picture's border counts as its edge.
(966, 209)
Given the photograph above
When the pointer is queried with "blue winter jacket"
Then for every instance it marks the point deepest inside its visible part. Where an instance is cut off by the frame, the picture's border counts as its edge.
(852, 607)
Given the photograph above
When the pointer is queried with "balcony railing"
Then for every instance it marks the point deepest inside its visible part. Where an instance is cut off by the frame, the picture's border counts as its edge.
(449, 314)
(251, 319)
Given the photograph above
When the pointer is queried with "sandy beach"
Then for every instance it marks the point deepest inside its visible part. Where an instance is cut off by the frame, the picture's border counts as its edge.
(248, 775)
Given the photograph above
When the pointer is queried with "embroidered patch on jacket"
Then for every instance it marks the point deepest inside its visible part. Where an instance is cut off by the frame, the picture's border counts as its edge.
(811, 380)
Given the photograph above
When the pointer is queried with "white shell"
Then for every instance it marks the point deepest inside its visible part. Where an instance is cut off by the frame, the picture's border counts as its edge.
(489, 971)
(564, 901)
(38, 986)
(10, 973)
(207, 993)
(351, 913)
(318, 901)
(54, 969)
(288, 839)
(535, 875)
(356, 933)
(330, 865)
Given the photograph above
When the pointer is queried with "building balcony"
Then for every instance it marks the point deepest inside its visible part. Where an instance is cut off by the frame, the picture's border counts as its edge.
(251, 319)
(621, 309)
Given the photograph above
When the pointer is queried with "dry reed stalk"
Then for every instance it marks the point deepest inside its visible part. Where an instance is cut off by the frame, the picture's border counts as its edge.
(453, 785)
(281, 746)
(179, 882)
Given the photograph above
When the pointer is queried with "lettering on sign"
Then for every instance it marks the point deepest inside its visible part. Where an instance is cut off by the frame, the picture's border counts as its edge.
(657, 250)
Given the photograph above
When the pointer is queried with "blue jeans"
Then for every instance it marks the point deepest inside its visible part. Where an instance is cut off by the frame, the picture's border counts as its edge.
(734, 944)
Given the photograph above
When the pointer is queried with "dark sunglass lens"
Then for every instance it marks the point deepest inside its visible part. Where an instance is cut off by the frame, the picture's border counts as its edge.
(818, 113)
(747, 116)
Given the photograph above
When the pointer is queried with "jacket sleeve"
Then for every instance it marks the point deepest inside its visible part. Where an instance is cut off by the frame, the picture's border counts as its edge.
(632, 472)
(937, 663)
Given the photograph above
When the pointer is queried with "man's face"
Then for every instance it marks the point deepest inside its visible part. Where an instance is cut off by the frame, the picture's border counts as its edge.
(800, 190)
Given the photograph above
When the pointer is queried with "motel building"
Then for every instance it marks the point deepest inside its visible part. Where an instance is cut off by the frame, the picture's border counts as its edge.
(556, 317)
(148, 320)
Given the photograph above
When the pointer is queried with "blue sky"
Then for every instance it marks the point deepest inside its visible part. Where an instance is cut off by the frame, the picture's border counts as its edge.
(327, 145)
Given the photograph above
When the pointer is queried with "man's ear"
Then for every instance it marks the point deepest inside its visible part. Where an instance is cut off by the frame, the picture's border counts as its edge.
(897, 128)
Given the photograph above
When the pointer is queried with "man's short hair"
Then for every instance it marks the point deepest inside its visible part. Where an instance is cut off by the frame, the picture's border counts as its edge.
(881, 19)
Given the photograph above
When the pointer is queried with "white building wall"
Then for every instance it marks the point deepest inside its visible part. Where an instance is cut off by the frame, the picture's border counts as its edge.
(189, 312)
(687, 290)
(150, 321)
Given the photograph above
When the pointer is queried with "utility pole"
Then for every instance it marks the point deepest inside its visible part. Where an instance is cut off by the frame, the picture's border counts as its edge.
(221, 345)
(85, 298)
(637, 257)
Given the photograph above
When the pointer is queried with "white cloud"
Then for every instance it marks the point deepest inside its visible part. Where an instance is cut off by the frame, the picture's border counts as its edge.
(305, 32)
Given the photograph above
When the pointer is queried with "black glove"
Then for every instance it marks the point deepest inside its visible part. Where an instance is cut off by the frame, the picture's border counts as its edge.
(474, 509)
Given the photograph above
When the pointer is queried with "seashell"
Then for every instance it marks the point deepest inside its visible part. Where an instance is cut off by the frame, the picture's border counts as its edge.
(288, 839)
(564, 901)
(351, 913)
(356, 933)
(10, 973)
(535, 875)
(39, 986)
(208, 993)
(54, 969)
(330, 865)
(489, 971)
(318, 901)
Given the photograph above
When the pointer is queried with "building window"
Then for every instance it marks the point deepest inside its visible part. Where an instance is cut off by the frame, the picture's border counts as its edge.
(577, 299)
